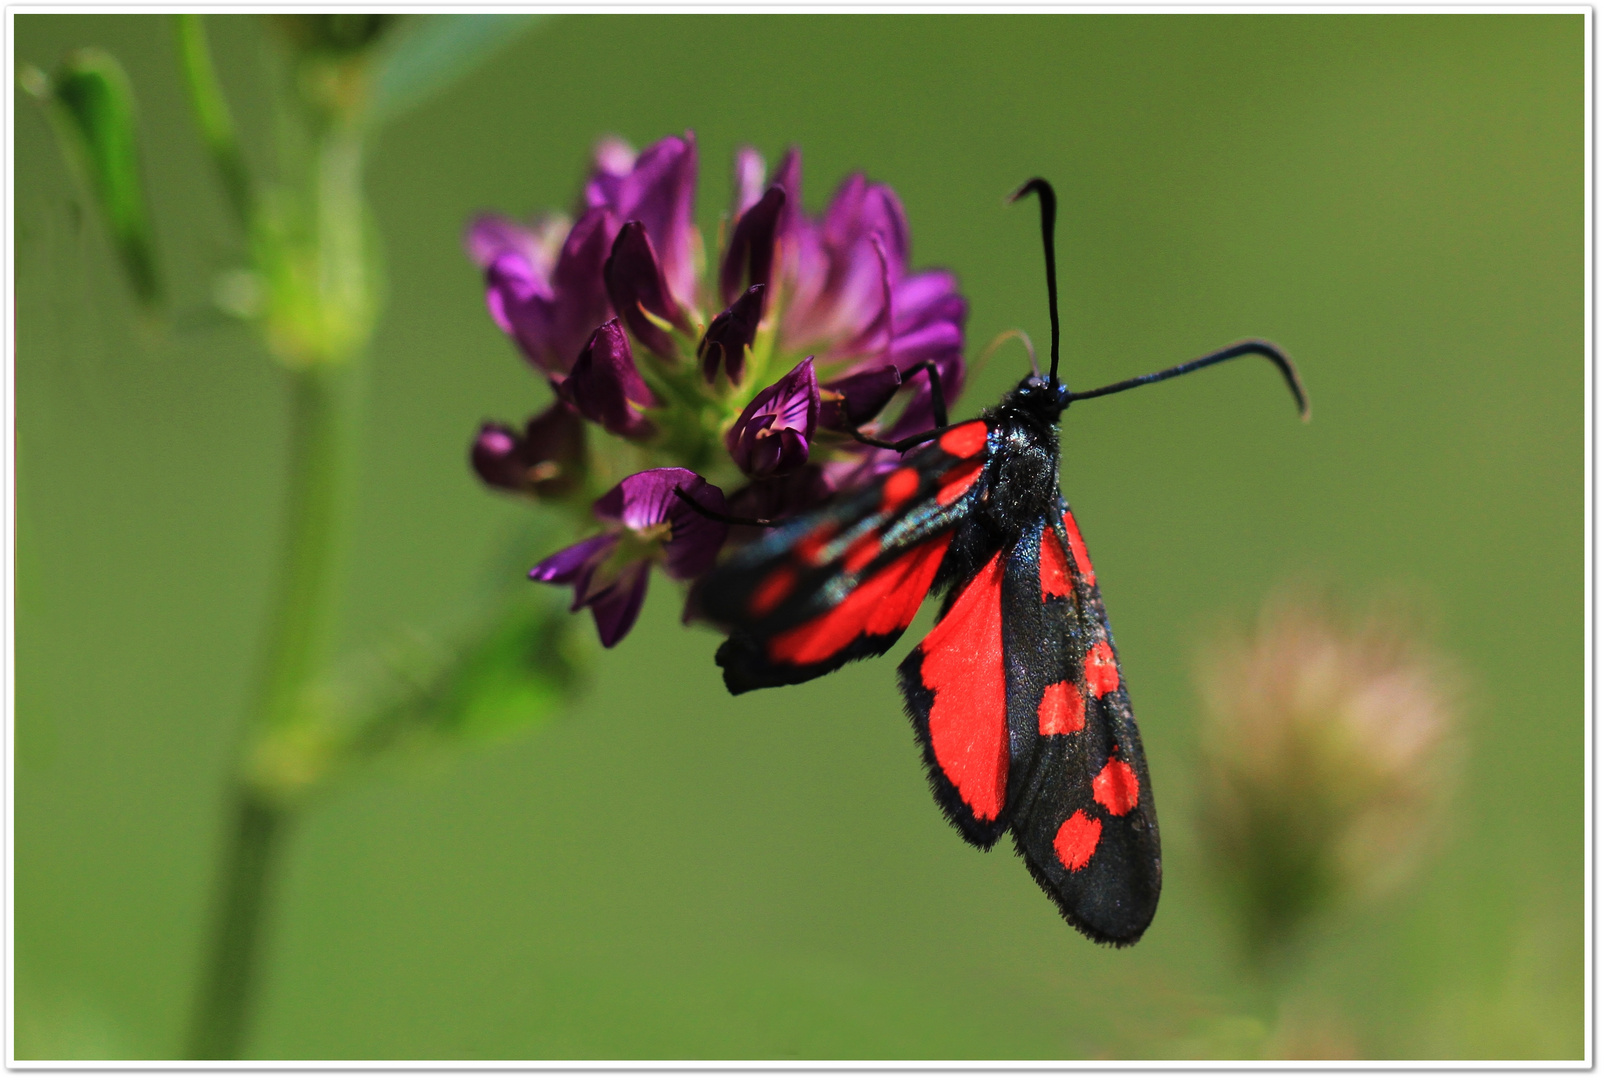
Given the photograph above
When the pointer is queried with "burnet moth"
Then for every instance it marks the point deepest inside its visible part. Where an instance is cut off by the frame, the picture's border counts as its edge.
(1016, 694)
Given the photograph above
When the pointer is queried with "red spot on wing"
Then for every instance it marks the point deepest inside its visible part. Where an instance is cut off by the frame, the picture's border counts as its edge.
(957, 480)
(1062, 710)
(884, 604)
(809, 548)
(1054, 566)
(774, 589)
(862, 552)
(1077, 840)
(1102, 674)
(966, 440)
(899, 488)
(1116, 787)
(1077, 547)
(963, 664)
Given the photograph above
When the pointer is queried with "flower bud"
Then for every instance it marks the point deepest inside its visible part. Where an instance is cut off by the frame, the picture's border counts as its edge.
(605, 386)
(548, 460)
(751, 247)
(772, 435)
(848, 403)
(1328, 754)
(635, 284)
(729, 335)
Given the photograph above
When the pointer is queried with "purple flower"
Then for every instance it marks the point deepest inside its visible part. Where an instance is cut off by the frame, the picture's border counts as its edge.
(605, 387)
(644, 522)
(730, 334)
(547, 460)
(772, 435)
(548, 306)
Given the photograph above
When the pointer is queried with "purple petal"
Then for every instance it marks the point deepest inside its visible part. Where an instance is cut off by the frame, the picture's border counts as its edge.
(511, 285)
(550, 320)
(645, 499)
(581, 296)
(729, 334)
(751, 250)
(694, 539)
(917, 346)
(848, 403)
(750, 169)
(635, 282)
(860, 209)
(490, 236)
(773, 432)
(495, 458)
(605, 386)
(616, 607)
(788, 178)
(564, 567)
(613, 157)
(924, 297)
(658, 190)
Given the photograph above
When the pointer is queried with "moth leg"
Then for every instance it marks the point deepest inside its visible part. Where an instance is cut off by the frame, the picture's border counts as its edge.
(938, 405)
(727, 519)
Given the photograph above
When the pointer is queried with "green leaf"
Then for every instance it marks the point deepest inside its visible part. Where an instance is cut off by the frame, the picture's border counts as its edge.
(436, 51)
(91, 104)
(519, 674)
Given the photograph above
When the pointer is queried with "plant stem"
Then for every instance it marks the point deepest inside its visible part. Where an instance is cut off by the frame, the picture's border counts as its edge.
(223, 1011)
(321, 448)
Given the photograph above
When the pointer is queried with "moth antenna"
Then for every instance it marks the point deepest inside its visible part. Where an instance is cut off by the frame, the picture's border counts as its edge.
(1049, 215)
(1252, 347)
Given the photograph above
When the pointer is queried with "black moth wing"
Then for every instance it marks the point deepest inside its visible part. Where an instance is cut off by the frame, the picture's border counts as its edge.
(1079, 800)
(844, 581)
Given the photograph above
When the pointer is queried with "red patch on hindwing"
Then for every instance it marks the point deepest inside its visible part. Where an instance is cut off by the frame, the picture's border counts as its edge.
(1054, 566)
(963, 667)
(899, 488)
(884, 604)
(1116, 787)
(956, 481)
(1077, 547)
(774, 589)
(1077, 840)
(1062, 710)
(1102, 673)
(966, 440)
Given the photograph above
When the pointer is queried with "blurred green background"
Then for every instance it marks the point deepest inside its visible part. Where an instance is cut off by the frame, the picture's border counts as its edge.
(671, 872)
